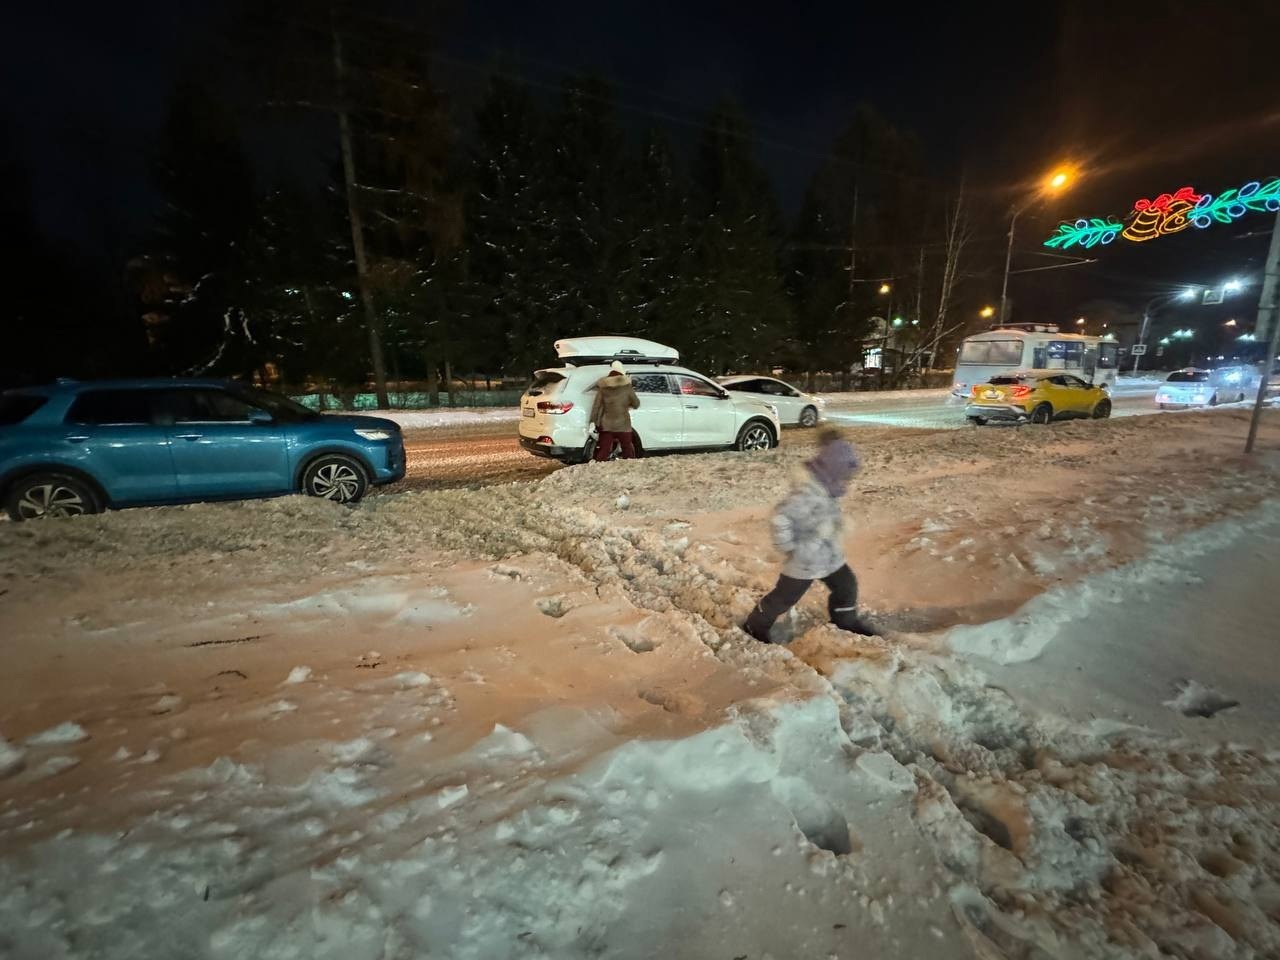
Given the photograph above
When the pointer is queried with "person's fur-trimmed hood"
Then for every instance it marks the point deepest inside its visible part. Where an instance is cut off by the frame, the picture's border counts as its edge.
(611, 381)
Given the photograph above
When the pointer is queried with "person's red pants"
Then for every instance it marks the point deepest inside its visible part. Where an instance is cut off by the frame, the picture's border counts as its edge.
(604, 446)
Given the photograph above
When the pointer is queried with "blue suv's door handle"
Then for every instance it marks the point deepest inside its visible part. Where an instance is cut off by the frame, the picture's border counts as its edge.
(76, 438)
(189, 436)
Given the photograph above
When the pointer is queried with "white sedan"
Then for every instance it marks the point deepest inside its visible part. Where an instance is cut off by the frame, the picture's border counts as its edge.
(794, 408)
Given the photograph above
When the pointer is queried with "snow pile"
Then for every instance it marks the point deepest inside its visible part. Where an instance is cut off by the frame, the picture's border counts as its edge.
(1121, 844)
(1024, 635)
(658, 784)
(417, 419)
(772, 829)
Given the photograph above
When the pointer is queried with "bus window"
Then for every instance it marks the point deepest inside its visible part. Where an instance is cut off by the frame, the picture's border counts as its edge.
(1064, 354)
(991, 352)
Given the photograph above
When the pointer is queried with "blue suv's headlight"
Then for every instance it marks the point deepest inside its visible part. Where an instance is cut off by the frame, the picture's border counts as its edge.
(373, 434)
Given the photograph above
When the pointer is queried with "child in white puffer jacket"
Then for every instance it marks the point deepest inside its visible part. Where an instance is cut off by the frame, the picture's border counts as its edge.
(808, 527)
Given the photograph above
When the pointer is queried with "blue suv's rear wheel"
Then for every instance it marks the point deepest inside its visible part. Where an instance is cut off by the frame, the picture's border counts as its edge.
(333, 476)
(42, 496)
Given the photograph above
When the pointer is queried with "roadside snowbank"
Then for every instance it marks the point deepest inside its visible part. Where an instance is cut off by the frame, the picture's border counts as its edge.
(529, 725)
(1024, 635)
(416, 419)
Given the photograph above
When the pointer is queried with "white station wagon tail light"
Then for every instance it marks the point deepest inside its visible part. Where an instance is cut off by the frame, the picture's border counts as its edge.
(373, 434)
(549, 406)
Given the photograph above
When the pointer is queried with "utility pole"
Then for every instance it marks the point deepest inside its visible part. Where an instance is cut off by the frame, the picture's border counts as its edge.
(853, 245)
(1008, 259)
(853, 281)
(1267, 322)
(1142, 336)
(371, 319)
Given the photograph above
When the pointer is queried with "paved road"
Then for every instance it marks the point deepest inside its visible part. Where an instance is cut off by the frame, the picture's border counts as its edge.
(938, 410)
(487, 453)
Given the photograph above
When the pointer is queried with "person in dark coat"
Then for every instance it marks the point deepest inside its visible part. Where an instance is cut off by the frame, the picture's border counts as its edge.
(808, 528)
(611, 412)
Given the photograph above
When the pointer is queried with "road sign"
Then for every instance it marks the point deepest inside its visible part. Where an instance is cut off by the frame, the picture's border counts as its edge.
(1138, 349)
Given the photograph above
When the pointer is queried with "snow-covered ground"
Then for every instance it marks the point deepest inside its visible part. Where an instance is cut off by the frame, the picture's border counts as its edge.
(456, 417)
(520, 721)
(476, 416)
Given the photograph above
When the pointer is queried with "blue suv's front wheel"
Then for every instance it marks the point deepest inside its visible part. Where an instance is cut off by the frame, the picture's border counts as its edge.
(42, 496)
(335, 477)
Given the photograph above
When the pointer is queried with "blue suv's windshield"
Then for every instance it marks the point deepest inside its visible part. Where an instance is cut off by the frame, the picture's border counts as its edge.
(280, 406)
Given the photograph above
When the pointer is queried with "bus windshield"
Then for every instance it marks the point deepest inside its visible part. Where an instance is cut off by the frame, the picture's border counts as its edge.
(992, 352)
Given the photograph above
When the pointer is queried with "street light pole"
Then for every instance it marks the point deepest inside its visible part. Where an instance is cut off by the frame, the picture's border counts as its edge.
(1186, 294)
(1008, 258)
(1055, 183)
(1268, 301)
(1142, 335)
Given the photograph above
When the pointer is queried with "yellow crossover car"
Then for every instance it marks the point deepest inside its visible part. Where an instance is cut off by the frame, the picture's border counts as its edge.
(1037, 396)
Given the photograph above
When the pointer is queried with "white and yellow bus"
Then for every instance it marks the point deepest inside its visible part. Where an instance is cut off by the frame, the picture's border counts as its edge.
(1034, 346)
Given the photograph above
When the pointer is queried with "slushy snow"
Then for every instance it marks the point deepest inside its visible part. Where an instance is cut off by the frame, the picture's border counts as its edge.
(531, 728)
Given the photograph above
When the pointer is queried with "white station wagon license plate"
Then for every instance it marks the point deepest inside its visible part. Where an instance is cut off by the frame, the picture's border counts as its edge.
(527, 411)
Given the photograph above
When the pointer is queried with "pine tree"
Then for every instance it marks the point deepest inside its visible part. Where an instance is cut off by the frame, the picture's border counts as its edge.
(860, 226)
(193, 280)
(651, 282)
(509, 227)
(588, 187)
(737, 312)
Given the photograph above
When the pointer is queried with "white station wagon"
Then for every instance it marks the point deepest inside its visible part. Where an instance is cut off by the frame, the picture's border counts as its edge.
(679, 408)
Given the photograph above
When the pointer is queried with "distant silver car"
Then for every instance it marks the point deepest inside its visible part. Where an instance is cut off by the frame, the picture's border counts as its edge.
(794, 407)
(1200, 387)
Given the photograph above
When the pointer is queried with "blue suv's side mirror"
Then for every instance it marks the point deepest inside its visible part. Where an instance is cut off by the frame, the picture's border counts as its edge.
(258, 415)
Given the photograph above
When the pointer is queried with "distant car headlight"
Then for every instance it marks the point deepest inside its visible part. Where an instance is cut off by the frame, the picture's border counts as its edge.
(373, 434)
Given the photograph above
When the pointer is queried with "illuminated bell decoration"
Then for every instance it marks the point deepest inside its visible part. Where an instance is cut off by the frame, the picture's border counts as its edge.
(1165, 214)
(1170, 213)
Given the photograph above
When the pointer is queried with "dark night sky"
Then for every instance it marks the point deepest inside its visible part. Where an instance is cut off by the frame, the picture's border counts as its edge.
(1148, 95)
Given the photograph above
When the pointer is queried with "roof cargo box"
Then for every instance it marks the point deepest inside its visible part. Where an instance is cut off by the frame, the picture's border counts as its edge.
(581, 351)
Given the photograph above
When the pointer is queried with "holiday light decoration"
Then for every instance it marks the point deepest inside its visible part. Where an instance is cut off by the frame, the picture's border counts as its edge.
(1234, 204)
(1170, 213)
(1165, 214)
(1085, 233)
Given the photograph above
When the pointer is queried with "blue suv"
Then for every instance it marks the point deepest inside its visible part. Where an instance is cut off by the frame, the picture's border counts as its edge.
(72, 448)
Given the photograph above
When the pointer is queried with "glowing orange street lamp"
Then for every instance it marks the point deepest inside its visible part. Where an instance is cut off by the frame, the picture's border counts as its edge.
(1056, 182)
(885, 288)
(986, 313)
